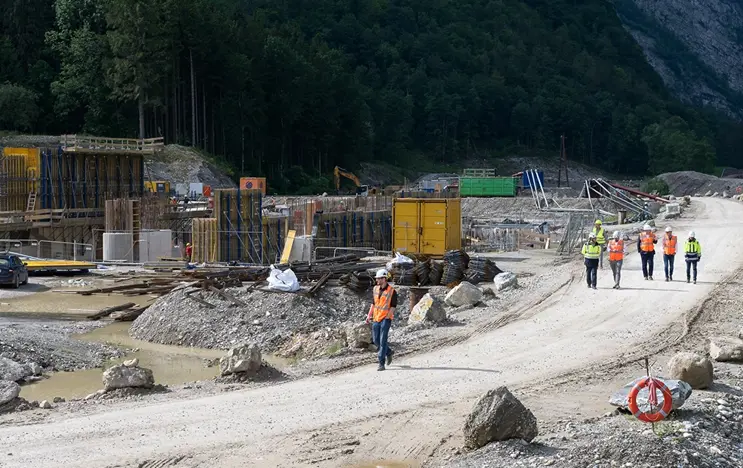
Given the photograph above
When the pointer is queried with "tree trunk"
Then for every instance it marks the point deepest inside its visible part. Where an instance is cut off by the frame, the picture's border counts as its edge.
(193, 102)
(140, 105)
(204, 138)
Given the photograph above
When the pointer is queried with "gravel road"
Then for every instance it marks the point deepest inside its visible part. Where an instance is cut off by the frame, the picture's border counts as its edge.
(420, 398)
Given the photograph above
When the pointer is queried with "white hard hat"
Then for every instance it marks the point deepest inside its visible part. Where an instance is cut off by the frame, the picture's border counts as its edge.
(592, 235)
(647, 227)
(691, 234)
(668, 229)
(382, 273)
(617, 234)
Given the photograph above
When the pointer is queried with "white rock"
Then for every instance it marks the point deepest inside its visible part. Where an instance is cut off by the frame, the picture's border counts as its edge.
(8, 391)
(505, 280)
(122, 376)
(716, 194)
(723, 349)
(359, 335)
(725, 195)
(33, 369)
(429, 309)
(243, 359)
(132, 362)
(12, 371)
(464, 293)
(45, 405)
(692, 368)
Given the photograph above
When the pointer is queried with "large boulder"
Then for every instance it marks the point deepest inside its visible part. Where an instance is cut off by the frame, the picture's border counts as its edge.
(505, 280)
(692, 368)
(723, 349)
(242, 360)
(359, 335)
(12, 371)
(429, 309)
(680, 392)
(123, 376)
(464, 293)
(9, 391)
(33, 369)
(498, 415)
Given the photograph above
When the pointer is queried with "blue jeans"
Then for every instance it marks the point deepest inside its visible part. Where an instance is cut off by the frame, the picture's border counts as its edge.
(380, 332)
(668, 263)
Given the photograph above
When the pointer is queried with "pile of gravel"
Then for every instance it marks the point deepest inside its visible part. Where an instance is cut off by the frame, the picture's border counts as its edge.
(690, 183)
(706, 432)
(271, 319)
(48, 343)
(183, 165)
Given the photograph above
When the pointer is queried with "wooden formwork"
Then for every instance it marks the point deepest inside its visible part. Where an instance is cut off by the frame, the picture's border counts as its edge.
(355, 229)
(239, 224)
(204, 240)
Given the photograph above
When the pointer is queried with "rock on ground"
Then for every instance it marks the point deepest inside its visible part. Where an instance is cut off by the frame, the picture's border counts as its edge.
(692, 368)
(12, 371)
(359, 335)
(680, 392)
(498, 415)
(45, 405)
(244, 359)
(429, 309)
(8, 391)
(505, 280)
(464, 293)
(122, 376)
(724, 349)
(33, 369)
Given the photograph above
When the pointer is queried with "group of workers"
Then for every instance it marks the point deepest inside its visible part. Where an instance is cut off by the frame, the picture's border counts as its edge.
(593, 253)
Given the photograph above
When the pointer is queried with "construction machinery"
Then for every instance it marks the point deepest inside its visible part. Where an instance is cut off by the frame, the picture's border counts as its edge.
(361, 190)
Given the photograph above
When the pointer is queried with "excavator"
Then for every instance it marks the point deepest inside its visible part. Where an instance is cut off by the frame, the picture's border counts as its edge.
(361, 190)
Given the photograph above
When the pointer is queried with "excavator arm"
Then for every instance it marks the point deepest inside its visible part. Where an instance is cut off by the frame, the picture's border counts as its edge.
(338, 172)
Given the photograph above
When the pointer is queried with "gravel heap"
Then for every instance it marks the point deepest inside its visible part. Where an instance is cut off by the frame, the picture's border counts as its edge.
(48, 343)
(706, 432)
(183, 165)
(270, 320)
(691, 183)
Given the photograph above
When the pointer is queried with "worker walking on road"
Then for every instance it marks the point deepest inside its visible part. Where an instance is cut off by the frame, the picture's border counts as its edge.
(646, 247)
(669, 252)
(598, 230)
(381, 313)
(591, 252)
(692, 255)
(616, 257)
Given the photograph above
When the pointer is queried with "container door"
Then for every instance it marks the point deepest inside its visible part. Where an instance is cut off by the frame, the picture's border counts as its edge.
(433, 221)
(406, 226)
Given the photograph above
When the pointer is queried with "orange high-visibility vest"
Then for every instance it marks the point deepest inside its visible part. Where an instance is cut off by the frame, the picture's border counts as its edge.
(616, 250)
(669, 245)
(383, 304)
(646, 242)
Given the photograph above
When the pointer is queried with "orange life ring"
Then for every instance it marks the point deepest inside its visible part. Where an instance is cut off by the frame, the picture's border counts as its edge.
(650, 417)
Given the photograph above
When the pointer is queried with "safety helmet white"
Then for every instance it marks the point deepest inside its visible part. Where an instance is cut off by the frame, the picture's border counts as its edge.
(592, 235)
(647, 227)
(382, 273)
(617, 235)
(691, 234)
(669, 229)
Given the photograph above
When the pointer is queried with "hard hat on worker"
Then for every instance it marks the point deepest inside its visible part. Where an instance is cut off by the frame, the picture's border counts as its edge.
(381, 273)
(691, 235)
(647, 227)
(598, 221)
(592, 235)
(188, 244)
(616, 235)
(669, 229)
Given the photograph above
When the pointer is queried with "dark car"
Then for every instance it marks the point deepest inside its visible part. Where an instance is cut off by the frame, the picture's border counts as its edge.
(12, 270)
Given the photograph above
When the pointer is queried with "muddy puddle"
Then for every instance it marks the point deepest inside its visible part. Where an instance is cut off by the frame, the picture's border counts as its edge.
(171, 365)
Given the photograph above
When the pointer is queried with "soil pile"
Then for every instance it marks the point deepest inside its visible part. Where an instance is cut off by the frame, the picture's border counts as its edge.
(691, 183)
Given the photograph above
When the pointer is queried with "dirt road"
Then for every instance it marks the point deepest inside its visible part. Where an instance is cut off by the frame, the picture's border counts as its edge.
(406, 411)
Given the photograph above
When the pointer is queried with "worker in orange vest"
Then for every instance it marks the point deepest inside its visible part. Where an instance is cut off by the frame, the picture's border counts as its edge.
(616, 257)
(381, 313)
(669, 252)
(646, 247)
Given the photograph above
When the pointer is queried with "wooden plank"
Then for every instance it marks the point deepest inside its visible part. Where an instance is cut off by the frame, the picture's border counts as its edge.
(109, 310)
(288, 247)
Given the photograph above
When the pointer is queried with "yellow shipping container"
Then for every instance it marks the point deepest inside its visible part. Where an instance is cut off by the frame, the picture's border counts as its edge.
(428, 226)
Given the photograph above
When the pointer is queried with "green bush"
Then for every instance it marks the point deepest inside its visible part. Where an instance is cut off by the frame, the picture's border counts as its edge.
(656, 185)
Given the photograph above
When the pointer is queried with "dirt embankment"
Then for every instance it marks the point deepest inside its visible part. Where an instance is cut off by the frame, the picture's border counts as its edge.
(183, 165)
(695, 183)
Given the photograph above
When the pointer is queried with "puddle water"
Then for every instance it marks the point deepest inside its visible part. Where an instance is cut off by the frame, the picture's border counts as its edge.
(171, 365)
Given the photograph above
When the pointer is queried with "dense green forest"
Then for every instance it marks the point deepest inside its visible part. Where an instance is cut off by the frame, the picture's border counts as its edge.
(290, 88)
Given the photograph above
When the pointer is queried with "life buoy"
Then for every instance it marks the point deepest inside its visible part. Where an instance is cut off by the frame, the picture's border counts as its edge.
(654, 385)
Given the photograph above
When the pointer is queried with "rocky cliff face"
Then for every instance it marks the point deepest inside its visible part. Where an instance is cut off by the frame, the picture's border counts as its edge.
(695, 45)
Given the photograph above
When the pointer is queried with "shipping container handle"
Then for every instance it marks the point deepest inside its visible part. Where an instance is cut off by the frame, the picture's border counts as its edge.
(420, 231)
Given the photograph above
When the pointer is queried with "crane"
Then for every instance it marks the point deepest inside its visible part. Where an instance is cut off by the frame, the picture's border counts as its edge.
(362, 190)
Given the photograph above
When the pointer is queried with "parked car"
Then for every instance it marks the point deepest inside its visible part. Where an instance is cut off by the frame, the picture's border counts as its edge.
(12, 270)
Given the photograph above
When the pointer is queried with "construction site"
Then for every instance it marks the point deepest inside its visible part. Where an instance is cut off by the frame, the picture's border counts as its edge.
(190, 324)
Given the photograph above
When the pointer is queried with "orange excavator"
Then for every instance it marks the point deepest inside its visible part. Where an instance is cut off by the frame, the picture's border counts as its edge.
(361, 190)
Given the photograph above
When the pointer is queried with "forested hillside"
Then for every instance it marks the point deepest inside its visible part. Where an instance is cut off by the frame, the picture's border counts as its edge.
(290, 88)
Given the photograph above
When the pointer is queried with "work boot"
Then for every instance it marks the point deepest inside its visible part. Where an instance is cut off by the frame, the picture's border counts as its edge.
(646, 278)
(695, 281)
(389, 357)
(594, 287)
(651, 277)
(688, 280)
(380, 368)
(589, 286)
(666, 279)
(619, 287)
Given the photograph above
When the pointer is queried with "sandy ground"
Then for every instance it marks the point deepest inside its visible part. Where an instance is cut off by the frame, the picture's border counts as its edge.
(416, 408)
